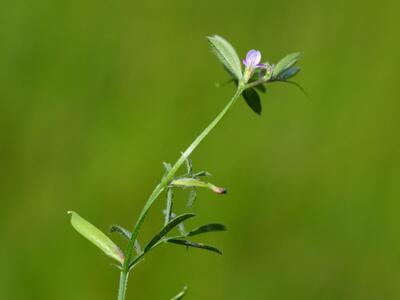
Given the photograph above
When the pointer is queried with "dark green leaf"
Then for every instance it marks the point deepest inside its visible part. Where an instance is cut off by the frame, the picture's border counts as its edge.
(193, 244)
(252, 100)
(167, 228)
(288, 73)
(285, 63)
(261, 88)
(121, 230)
(207, 228)
(226, 55)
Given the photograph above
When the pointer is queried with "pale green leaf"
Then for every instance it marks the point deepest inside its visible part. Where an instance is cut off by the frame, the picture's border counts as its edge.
(98, 238)
(226, 55)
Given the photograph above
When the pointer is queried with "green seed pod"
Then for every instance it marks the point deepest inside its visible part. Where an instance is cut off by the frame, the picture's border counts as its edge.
(98, 238)
(192, 182)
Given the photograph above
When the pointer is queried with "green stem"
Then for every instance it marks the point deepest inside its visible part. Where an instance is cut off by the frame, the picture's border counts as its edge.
(123, 282)
(254, 83)
(163, 184)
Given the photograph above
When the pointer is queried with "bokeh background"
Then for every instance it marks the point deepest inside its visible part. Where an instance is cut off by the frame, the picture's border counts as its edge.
(94, 95)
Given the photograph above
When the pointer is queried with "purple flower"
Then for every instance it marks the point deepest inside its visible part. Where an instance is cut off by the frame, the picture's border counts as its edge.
(253, 59)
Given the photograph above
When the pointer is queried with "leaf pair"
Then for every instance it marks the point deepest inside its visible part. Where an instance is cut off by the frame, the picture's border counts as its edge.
(161, 237)
(200, 230)
(166, 229)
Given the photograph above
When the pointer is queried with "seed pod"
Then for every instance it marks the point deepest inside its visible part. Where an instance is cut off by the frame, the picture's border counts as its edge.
(98, 238)
(192, 182)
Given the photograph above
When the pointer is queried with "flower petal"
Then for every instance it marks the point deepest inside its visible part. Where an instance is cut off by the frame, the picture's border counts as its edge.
(253, 58)
(257, 58)
(250, 54)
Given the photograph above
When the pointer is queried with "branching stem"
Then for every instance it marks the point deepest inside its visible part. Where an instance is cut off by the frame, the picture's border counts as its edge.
(162, 186)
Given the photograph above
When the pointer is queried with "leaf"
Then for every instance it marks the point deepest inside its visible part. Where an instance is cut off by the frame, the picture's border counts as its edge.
(296, 85)
(192, 197)
(261, 88)
(126, 234)
(181, 294)
(226, 55)
(181, 229)
(221, 84)
(193, 244)
(168, 210)
(253, 100)
(285, 63)
(288, 73)
(98, 238)
(167, 166)
(201, 174)
(207, 228)
(167, 228)
(137, 247)
(189, 165)
(121, 230)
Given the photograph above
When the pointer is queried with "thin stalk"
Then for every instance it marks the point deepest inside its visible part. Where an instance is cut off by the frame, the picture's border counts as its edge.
(123, 282)
(255, 83)
(163, 184)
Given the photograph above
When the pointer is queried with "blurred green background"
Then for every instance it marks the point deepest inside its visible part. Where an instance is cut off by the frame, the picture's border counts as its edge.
(95, 95)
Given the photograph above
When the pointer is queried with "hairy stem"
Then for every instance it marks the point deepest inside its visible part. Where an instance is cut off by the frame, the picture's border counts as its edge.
(163, 184)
